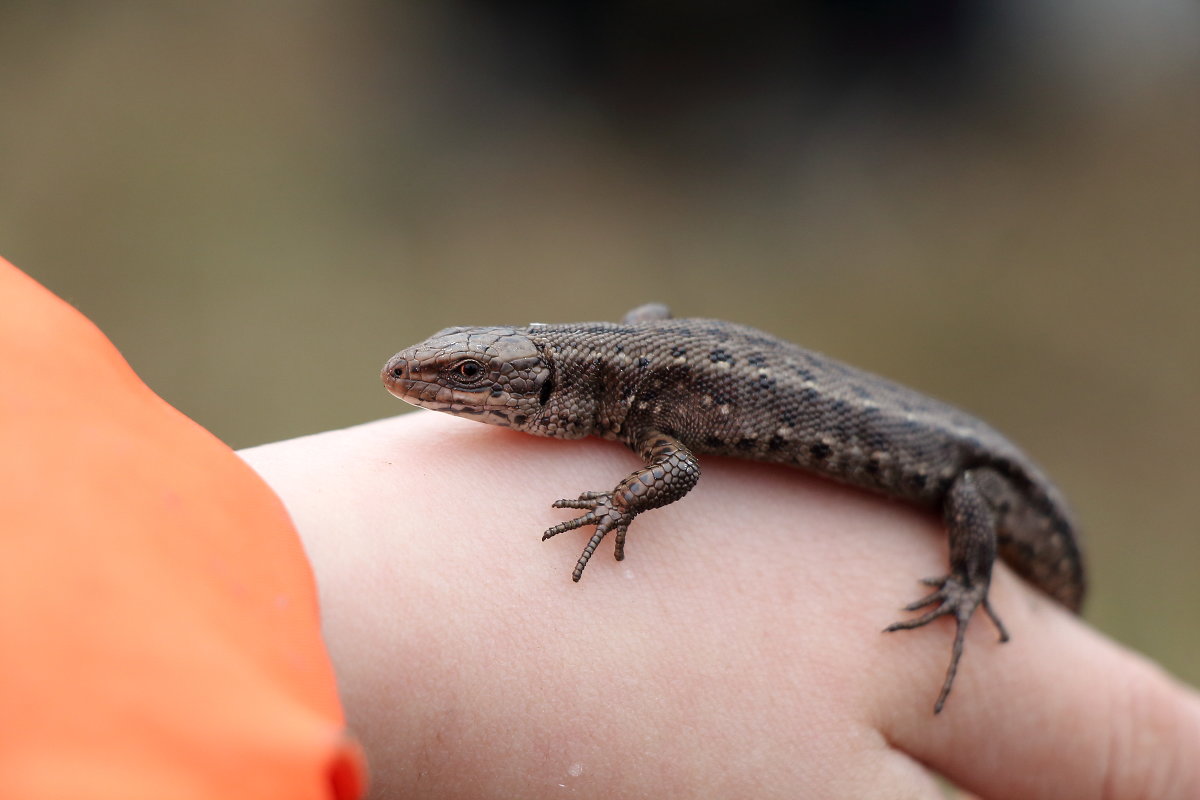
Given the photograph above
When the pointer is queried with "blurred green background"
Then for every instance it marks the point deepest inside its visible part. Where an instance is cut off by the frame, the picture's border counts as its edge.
(995, 202)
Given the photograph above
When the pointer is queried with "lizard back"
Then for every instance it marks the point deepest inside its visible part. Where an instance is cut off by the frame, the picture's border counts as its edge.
(732, 390)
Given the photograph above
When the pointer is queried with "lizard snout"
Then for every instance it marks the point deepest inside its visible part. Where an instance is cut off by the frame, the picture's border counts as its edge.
(394, 371)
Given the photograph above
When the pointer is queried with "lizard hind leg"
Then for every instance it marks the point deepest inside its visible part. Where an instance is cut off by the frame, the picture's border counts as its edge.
(972, 522)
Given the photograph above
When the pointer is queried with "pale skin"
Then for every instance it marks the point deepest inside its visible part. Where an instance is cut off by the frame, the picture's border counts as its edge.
(736, 652)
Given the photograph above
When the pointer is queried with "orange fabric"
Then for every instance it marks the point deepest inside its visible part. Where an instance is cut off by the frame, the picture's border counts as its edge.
(158, 619)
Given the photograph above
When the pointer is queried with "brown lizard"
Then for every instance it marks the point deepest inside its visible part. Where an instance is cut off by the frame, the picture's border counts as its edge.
(673, 389)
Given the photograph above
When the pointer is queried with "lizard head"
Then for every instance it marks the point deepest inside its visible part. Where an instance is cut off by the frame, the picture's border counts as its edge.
(495, 375)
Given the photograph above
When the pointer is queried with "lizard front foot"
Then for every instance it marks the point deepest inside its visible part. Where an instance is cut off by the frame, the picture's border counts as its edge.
(954, 596)
(602, 513)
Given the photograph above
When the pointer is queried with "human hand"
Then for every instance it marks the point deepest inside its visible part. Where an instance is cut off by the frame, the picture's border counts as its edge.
(736, 652)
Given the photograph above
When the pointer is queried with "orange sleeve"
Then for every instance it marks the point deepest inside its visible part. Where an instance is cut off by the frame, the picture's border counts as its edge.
(159, 631)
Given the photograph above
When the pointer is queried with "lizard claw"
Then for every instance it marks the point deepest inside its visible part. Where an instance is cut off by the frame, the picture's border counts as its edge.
(585, 500)
(956, 597)
(601, 513)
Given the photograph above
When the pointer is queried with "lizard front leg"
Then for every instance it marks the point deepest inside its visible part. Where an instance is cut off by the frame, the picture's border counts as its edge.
(670, 472)
(972, 519)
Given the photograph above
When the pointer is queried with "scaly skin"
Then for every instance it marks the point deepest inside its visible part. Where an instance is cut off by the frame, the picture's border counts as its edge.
(675, 389)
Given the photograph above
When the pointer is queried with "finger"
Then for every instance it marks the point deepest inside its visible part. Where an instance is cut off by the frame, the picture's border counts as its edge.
(1060, 711)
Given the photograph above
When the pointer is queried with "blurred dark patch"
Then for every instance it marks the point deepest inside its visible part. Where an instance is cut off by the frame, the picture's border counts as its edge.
(648, 58)
(657, 68)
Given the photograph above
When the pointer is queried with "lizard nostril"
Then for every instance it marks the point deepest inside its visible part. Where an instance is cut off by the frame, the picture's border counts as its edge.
(395, 369)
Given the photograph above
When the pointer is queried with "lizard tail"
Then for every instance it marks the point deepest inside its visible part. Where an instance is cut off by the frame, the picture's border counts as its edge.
(1040, 541)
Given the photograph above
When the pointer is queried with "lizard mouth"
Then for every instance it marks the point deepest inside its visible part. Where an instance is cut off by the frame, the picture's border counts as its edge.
(437, 397)
(431, 383)
(413, 390)
(425, 393)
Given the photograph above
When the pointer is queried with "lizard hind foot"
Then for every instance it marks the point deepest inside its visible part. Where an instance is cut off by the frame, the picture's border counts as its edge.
(600, 512)
(954, 597)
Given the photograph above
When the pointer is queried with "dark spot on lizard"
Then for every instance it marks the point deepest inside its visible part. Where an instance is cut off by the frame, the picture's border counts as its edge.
(713, 441)
(872, 466)
(804, 373)
(519, 419)
(678, 351)
(713, 391)
(776, 443)
(756, 360)
(721, 354)
(820, 450)
(841, 408)
(643, 362)
(746, 443)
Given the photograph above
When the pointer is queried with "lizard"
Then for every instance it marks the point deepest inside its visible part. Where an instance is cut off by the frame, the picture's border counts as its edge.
(675, 389)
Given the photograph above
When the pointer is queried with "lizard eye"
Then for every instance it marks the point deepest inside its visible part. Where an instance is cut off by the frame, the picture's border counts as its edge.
(467, 371)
